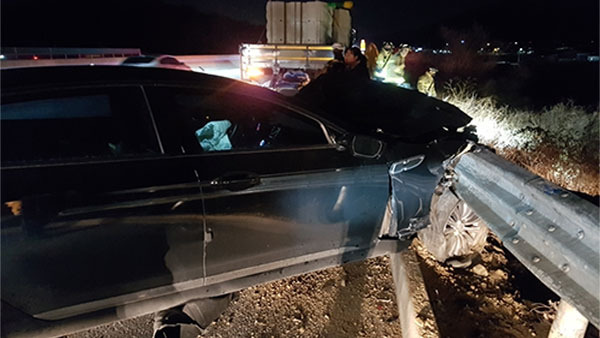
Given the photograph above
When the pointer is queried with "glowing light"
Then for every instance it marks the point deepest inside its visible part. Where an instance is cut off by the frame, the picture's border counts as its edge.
(1, 56)
(363, 45)
(35, 57)
(462, 41)
(254, 72)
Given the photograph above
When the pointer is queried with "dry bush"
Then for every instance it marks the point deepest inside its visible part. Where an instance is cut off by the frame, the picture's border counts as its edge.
(559, 143)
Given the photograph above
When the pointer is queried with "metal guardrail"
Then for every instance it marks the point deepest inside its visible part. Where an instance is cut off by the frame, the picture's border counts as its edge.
(36, 53)
(553, 232)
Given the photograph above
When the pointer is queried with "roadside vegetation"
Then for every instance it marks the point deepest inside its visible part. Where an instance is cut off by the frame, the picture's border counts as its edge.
(559, 143)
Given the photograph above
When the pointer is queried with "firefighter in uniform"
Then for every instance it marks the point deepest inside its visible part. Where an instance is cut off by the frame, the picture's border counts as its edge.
(426, 83)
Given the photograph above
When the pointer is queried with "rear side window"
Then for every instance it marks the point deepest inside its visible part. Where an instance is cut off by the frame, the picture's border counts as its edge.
(72, 124)
(195, 121)
(169, 61)
(138, 59)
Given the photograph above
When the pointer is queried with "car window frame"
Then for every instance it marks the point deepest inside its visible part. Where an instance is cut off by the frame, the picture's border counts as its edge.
(37, 90)
(330, 142)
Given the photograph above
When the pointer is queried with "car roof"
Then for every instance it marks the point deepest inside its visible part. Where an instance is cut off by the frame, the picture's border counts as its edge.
(40, 78)
(19, 79)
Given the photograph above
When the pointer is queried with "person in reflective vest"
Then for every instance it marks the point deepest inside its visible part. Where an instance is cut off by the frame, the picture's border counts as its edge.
(426, 83)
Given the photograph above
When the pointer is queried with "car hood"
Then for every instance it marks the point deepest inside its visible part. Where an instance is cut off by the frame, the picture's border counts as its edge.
(369, 106)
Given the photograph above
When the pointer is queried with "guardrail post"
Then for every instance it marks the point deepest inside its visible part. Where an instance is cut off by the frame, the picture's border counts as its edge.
(415, 311)
(568, 323)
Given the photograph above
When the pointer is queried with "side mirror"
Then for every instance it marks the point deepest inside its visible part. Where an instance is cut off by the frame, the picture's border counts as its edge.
(367, 147)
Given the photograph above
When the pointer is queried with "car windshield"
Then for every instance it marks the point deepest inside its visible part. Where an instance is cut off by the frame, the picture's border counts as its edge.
(139, 59)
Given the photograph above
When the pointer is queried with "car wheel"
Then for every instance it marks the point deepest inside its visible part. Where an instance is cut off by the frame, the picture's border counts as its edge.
(455, 229)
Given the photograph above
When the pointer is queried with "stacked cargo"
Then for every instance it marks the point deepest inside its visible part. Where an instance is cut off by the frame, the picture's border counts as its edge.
(293, 22)
(342, 26)
(276, 22)
(300, 36)
(307, 23)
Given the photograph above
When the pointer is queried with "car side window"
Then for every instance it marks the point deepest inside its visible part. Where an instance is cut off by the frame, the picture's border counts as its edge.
(169, 61)
(76, 124)
(221, 121)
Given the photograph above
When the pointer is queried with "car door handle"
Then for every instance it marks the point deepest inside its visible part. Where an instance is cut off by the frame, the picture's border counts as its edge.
(236, 181)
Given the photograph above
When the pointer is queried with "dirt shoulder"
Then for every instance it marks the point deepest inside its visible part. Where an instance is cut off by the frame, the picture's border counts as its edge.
(495, 297)
(357, 300)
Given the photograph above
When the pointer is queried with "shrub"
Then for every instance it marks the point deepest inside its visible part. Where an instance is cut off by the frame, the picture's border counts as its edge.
(559, 143)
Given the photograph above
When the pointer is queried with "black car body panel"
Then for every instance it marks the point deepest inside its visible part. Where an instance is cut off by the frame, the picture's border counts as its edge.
(370, 106)
(129, 190)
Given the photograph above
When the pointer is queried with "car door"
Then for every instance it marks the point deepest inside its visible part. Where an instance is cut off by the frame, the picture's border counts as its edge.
(94, 215)
(277, 189)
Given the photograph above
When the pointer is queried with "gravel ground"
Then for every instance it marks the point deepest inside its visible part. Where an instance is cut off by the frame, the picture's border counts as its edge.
(495, 297)
(354, 300)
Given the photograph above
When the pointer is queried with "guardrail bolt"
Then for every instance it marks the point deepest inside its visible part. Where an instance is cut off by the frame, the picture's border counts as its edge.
(565, 267)
(512, 223)
(515, 240)
(529, 212)
(535, 259)
(580, 234)
(551, 228)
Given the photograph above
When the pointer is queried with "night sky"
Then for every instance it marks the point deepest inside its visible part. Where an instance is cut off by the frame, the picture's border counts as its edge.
(213, 26)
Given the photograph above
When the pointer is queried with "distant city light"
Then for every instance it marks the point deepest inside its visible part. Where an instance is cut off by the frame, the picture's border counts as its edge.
(1, 56)
(516, 43)
(462, 41)
(488, 44)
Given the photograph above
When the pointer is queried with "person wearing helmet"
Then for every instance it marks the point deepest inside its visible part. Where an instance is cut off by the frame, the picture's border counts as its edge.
(372, 53)
(400, 69)
(335, 65)
(426, 82)
(383, 59)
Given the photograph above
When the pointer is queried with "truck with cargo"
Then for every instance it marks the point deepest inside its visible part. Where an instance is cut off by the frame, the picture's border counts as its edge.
(299, 36)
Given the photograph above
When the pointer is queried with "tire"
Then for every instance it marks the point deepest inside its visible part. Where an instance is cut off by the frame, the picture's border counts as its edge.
(455, 229)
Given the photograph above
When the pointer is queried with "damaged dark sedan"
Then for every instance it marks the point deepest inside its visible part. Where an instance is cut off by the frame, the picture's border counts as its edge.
(127, 191)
